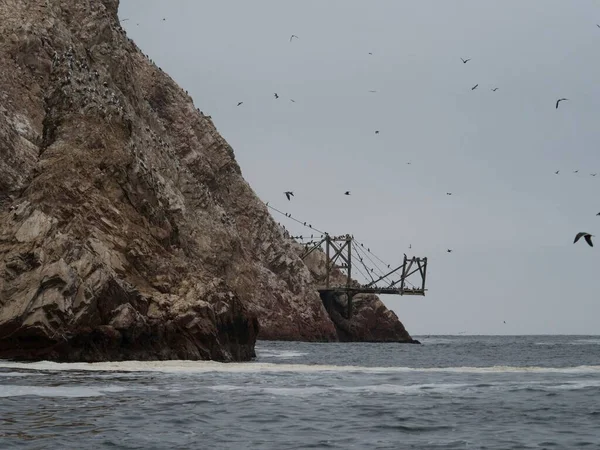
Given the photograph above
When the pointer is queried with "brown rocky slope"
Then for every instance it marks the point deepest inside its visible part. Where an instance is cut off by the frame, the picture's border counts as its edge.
(126, 228)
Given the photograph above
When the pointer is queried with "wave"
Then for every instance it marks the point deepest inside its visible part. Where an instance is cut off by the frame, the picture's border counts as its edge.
(589, 341)
(256, 367)
(407, 389)
(283, 354)
(17, 374)
(57, 391)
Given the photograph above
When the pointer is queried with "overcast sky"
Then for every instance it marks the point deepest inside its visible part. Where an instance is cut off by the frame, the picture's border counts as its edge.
(510, 220)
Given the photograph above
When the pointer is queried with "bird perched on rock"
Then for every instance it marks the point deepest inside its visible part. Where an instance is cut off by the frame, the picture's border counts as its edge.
(560, 100)
(587, 236)
(289, 194)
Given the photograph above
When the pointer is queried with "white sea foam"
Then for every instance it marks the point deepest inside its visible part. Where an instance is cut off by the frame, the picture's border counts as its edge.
(283, 354)
(57, 391)
(253, 367)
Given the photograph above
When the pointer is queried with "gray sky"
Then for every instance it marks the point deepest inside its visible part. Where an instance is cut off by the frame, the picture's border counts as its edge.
(510, 220)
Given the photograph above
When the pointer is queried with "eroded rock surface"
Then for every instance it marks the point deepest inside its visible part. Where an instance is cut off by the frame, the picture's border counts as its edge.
(126, 228)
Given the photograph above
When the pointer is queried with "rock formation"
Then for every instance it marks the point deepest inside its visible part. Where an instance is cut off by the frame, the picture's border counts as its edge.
(126, 228)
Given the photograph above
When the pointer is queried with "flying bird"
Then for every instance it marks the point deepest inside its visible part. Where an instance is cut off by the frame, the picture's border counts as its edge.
(465, 60)
(557, 172)
(598, 214)
(240, 103)
(593, 174)
(293, 36)
(576, 171)
(347, 193)
(494, 90)
(376, 131)
(474, 87)
(372, 92)
(448, 193)
(449, 250)
(586, 236)
(560, 100)
(292, 100)
(370, 53)
(275, 95)
(289, 194)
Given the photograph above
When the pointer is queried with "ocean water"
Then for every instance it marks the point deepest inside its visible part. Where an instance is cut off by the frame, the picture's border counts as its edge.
(465, 392)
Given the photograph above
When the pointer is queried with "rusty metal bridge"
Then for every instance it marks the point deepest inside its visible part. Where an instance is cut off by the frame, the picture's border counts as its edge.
(343, 254)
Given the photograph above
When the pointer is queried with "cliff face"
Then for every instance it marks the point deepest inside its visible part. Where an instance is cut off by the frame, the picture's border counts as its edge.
(126, 228)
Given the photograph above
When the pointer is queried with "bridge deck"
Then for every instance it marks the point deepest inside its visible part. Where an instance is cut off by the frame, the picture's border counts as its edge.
(374, 290)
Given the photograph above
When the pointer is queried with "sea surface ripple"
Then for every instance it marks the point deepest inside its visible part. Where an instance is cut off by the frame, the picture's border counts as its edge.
(452, 392)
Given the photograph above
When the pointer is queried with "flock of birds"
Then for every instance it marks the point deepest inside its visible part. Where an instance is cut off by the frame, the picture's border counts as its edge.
(289, 194)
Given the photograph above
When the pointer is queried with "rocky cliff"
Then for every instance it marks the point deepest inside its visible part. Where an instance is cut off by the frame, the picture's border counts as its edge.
(126, 228)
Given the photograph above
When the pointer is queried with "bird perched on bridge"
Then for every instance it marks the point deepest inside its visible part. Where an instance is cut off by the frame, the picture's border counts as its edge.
(474, 87)
(465, 60)
(587, 236)
(560, 100)
(289, 194)
(293, 36)
(347, 193)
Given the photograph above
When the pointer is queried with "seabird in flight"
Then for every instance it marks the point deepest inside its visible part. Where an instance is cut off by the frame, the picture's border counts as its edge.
(560, 100)
(586, 236)
(289, 194)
